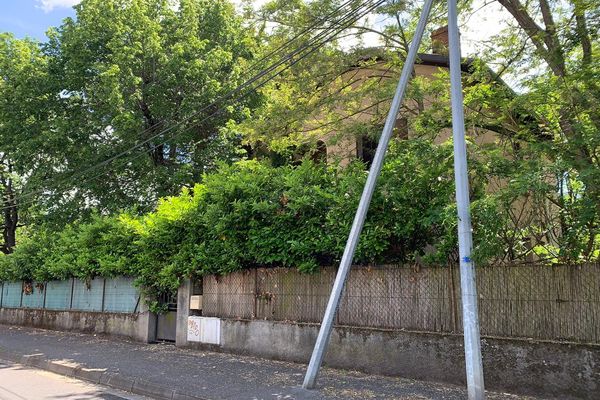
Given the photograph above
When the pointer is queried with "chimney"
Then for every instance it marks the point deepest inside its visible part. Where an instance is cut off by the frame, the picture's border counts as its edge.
(439, 41)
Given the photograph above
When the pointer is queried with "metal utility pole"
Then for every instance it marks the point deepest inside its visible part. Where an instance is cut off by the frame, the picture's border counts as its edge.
(468, 288)
(325, 332)
(474, 367)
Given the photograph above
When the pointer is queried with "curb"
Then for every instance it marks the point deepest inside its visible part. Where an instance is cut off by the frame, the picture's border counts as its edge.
(99, 376)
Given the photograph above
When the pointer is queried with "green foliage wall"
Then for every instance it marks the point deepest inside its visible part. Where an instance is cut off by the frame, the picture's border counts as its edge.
(251, 214)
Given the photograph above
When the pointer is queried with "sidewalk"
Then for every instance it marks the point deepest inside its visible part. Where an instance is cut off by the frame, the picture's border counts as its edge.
(164, 371)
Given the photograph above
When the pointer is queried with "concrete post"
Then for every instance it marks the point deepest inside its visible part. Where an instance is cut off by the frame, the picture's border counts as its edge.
(468, 286)
(183, 312)
(146, 324)
(363, 206)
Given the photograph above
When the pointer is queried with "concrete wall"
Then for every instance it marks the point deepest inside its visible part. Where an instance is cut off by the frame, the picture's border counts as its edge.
(140, 326)
(518, 366)
(183, 312)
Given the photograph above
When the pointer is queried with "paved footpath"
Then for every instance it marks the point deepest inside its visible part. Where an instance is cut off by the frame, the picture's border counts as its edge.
(164, 371)
(19, 383)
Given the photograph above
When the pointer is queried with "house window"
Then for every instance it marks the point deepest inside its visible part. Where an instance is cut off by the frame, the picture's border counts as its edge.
(365, 149)
(401, 128)
(319, 155)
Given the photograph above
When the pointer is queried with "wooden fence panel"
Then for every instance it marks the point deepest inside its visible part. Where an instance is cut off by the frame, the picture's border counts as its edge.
(285, 294)
(530, 301)
(230, 296)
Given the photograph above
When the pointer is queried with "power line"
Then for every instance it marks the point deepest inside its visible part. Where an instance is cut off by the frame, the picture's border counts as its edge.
(318, 41)
(238, 89)
(352, 15)
(312, 27)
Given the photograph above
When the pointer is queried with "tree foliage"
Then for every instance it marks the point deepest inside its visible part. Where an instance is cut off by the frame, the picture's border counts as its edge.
(124, 70)
(251, 214)
(542, 163)
(130, 70)
(551, 50)
(23, 130)
(112, 112)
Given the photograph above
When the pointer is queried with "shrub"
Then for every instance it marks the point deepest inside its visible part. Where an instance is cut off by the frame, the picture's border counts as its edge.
(251, 214)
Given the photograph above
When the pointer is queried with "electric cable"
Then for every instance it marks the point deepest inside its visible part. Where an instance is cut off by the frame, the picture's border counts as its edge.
(318, 41)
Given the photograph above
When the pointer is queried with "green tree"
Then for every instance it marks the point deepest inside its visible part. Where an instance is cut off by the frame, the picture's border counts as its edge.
(126, 71)
(24, 130)
(543, 164)
(550, 51)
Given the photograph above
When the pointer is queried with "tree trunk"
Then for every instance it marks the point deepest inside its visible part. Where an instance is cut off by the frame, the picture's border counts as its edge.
(152, 127)
(11, 218)
(544, 40)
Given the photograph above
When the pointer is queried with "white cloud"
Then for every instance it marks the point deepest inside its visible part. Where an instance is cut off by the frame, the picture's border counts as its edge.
(49, 5)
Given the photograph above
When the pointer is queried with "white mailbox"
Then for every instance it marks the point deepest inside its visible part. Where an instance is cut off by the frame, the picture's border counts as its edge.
(204, 330)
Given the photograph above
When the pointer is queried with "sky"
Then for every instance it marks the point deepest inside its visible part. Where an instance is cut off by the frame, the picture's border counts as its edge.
(33, 18)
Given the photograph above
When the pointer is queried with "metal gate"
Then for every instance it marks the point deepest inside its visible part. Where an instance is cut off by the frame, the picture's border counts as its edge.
(166, 322)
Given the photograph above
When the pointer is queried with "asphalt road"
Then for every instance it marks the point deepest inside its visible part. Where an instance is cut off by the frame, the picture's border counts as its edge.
(21, 383)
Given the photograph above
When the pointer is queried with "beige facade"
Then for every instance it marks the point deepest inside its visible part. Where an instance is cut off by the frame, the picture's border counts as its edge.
(343, 149)
(524, 212)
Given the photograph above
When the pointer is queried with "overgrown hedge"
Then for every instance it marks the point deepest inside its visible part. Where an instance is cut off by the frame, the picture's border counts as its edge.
(251, 214)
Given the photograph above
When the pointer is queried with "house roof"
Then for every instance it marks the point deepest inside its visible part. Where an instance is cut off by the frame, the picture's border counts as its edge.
(439, 60)
(436, 60)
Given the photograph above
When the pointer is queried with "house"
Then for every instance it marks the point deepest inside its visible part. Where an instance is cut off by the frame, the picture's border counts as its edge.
(428, 67)
(432, 68)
